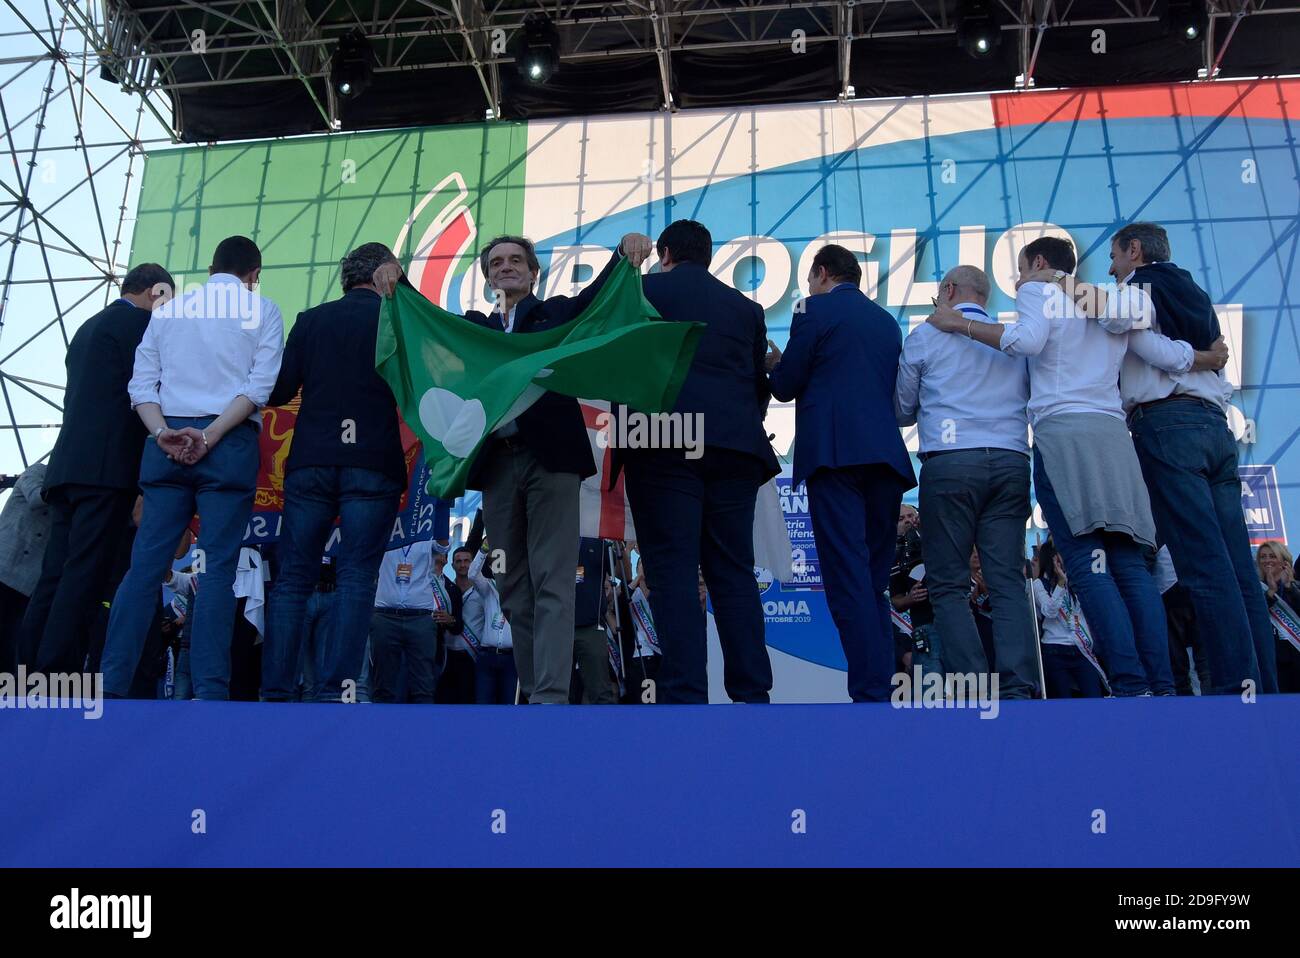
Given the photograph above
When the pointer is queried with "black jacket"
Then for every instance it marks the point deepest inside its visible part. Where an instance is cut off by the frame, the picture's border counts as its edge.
(102, 436)
(1183, 309)
(726, 383)
(553, 427)
(330, 355)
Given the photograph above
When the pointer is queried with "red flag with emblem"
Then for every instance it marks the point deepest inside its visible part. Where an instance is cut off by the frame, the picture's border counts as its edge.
(604, 513)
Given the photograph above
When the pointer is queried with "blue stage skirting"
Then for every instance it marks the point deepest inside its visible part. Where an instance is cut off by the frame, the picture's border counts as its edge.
(1182, 782)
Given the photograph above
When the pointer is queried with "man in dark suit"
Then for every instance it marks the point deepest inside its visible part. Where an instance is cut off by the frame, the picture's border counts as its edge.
(530, 469)
(93, 476)
(840, 367)
(693, 507)
(346, 460)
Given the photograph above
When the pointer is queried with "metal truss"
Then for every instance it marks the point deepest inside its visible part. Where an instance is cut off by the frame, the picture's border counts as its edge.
(68, 159)
(255, 41)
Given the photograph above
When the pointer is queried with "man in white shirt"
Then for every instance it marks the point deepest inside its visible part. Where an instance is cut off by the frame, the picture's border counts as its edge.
(969, 404)
(203, 370)
(412, 603)
(1189, 460)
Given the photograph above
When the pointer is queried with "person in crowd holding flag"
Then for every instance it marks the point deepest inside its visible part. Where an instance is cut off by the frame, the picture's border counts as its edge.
(1189, 458)
(695, 508)
(1086, 475)
(93, 476)
(412, 605)
(1283, 597)
(643, 653)
(345, 461)
(840, 367)
(969, 405)
(529, 469)
(203, 370)
(1069, 662)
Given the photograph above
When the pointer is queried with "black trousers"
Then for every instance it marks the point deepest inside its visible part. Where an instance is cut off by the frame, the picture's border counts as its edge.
(13, 605)
(89, 524)
(456, 683)
(698, 514)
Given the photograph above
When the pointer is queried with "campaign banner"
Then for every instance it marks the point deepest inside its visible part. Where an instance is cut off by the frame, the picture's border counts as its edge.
(912, 186)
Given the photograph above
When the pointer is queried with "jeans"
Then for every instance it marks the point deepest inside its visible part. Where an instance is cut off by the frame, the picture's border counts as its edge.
(220, 487)
(1189, 461)
(1119, 598)
(366, 502)
(405, 646)
(980, 498)
(495, 678)
(1065, 669)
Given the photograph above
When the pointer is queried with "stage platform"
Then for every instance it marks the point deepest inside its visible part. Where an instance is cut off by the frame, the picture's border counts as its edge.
(1180, 782)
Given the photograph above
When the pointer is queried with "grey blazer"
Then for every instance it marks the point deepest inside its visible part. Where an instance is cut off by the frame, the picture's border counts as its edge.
(24, 531)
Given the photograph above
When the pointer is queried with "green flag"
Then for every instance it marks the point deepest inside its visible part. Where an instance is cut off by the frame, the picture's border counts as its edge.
(456, 381)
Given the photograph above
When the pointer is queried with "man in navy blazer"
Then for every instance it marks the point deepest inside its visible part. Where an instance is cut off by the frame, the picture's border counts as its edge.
(693, 501)
(840, 367)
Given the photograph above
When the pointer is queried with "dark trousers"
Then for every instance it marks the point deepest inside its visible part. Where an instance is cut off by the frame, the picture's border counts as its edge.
(640, 669)
(365, 501)
(88, 525)
(13, 605)
(404, 646)
(495, 678)
(1184, 635)
(980, 497)
(854, 513)
(591, 651)
(1069, 674)
(1189, 461)
(456, 683)
(698, 514)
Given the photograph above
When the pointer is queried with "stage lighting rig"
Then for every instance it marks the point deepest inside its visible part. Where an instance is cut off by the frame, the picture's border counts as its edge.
(977, 31)
(537, 51)
(351, 66)
(1188, 20)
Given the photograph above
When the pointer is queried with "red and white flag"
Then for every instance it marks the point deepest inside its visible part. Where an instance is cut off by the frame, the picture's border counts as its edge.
(604, 513)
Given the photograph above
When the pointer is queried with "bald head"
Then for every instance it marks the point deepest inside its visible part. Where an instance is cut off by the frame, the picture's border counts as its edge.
(964, 284)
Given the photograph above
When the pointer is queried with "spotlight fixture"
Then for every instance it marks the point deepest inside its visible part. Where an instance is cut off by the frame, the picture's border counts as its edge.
(1188, 20)
(977, 31)
(537, 51)
(351, 66)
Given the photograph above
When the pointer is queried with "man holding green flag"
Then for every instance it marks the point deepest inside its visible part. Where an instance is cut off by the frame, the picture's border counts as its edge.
(498, 413)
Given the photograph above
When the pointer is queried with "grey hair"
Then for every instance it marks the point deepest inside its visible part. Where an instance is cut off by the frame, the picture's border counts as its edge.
(1151, 237)
(972, 278)
(359, 266)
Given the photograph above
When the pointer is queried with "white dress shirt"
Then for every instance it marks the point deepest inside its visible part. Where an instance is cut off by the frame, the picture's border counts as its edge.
(960, 393)
(1147, 374)
(406, 577)
(471, 614)
(204, 348)
(1074, 362)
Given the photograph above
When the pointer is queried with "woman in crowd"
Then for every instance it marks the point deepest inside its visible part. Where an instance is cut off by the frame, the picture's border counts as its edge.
(1283, 594)
(1070, 665)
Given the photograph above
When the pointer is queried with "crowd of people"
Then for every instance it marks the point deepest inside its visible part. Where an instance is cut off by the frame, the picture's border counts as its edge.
(1146, 580)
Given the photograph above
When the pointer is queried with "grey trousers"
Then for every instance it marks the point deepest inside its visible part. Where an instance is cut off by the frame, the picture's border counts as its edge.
(969, 498)
(531, 514)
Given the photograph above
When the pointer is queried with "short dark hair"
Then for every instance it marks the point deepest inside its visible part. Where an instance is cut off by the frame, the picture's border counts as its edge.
(533, 263)
(839, 263)
(689, 241)
(145, 277)
(1151, 237)
(359, 266)
(1059, 253)
(459, 549)
(236, 255)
